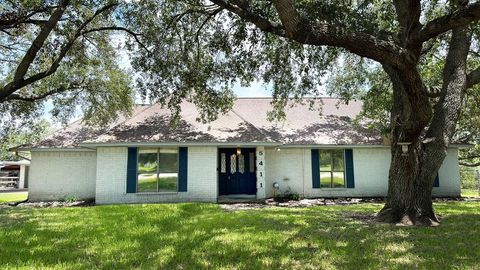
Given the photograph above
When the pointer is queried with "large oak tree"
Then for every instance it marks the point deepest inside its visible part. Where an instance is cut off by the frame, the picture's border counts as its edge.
(201, 48)
(425, 52)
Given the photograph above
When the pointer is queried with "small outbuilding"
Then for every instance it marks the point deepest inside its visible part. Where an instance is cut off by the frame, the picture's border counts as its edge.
(14, 174)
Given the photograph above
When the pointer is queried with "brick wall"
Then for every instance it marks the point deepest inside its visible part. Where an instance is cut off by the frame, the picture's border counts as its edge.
(112, 171)
(62, 174)
(291, 168)
(102, 174)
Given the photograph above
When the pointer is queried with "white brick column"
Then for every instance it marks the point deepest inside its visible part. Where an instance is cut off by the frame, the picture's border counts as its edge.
(21, 180)
(260, 154)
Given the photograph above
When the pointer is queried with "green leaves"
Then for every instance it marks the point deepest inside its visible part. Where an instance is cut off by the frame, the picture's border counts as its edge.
(13, 136)
(88, 79)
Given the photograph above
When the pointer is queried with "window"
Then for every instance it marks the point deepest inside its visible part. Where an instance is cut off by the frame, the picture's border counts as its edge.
(223, 163)
(251, 161)
(241, 163)
(332, 169)
(157, 170)
(233, 163)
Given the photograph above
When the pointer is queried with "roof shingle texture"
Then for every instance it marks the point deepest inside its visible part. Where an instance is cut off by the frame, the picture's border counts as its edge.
(245, 122)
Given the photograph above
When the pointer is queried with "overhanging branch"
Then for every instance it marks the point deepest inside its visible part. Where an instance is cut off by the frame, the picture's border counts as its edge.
(473, 78)
(319, 33)
(19, 81)
(460, 17)
(241, 9)
(467, 164)
(119, 28)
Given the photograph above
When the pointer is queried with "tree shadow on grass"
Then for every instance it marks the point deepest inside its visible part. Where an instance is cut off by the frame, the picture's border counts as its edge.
(200, 236)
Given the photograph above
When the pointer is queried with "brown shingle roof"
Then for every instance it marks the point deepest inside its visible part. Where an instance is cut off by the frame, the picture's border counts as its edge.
(246, 122)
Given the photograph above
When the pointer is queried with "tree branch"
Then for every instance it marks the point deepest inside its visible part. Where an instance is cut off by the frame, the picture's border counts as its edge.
(32, 98)
(467, 164)
(469, 157)
(119, 28)
(21, 82)
(239, 7)
(13, 19)
(460, 17)
(320, 33)
(473, 77)
(408, 15)
(38, 42)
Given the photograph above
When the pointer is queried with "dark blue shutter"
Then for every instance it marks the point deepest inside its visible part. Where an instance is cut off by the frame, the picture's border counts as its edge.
(315, 169)
(132, 170)
(182, 169)
(349, 173)
(436, 182)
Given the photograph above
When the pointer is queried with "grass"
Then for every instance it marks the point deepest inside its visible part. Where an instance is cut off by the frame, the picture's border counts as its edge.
(203, 236)
(470, 193)
(13, 197)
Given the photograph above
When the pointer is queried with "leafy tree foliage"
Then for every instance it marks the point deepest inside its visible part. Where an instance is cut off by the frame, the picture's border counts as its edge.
(14, 136)
(63, 51)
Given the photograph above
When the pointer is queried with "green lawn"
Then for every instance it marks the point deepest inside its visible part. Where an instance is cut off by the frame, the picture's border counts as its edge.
(470, 193)
(13, 197)
(204, 236)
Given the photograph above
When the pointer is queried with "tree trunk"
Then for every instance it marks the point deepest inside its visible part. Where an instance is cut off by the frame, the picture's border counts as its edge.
(411, 177)
(412, 173)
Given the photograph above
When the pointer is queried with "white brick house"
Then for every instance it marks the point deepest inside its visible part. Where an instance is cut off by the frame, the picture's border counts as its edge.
(142, 159)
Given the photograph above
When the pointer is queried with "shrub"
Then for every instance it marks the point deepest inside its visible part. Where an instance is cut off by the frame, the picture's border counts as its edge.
(70, 199)
(468, 179)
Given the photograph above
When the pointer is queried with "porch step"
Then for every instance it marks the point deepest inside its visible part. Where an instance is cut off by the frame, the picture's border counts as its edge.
(238, 199)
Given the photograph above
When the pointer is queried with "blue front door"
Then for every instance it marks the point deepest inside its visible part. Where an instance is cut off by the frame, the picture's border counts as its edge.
(237, 171)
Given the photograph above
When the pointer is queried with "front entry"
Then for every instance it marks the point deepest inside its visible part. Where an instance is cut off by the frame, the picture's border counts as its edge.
(236, 171)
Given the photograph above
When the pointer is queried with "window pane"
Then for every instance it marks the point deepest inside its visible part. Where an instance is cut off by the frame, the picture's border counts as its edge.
(233, 163)
(241, 163)
(338, 179)
(325, 179)
(147, 170)
(337, 160)
(167, 182)
(168, 160)
(168, 170)
(325, 160)
(251, 162)
(223, 163)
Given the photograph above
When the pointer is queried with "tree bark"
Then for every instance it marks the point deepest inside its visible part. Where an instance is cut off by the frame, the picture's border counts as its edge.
(412, 173)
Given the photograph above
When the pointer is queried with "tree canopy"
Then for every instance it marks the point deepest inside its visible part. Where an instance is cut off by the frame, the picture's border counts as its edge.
(62, 51)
